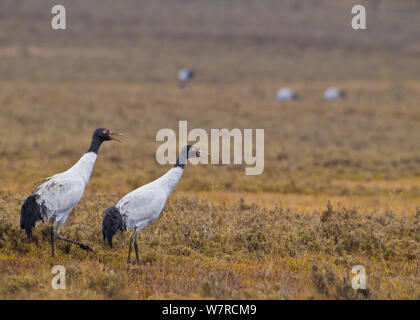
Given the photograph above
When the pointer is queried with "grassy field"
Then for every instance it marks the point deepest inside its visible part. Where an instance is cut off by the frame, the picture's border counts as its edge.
(341, 184)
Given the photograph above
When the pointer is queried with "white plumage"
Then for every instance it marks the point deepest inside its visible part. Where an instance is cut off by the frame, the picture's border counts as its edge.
(185, 75)
(63, 191)
(54, 199)
(333, 93)
(286, 94)
(143, 205)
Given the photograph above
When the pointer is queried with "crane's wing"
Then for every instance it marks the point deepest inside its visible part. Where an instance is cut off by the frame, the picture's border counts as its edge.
(141, 206)
(60, 194)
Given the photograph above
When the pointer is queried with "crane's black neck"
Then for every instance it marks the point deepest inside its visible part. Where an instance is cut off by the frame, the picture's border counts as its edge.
(179, 164)
(182, 158)
(95, 144)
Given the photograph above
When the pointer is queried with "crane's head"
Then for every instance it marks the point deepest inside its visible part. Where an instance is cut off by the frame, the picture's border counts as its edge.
(193, 151)
(187, 152)
(104, 134)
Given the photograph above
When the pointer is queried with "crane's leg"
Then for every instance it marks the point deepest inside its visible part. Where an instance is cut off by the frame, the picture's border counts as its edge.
(133, 241)
(82, 245)
(52, 239)
(129, 249)
(136, 248)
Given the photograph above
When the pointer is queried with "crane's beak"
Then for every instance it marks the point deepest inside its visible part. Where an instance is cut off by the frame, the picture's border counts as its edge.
(196, 150)
(112, 134)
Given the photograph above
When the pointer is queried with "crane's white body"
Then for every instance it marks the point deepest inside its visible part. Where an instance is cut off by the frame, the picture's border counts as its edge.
(63, 191)
(333, 93)
(286, 94)
(143, 205)
(185, 75)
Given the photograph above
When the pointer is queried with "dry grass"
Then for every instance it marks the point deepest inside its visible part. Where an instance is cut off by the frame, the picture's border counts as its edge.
(118, 70)
(199, 249)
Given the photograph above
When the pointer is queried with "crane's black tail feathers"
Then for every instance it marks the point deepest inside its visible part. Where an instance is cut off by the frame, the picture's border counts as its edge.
(112, 222)
(30, 213)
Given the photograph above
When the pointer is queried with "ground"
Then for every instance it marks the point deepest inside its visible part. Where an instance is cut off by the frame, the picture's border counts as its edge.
(341, 183)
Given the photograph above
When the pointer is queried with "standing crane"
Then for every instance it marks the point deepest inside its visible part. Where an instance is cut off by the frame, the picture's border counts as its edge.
(143, 205)
(184, 76)
(54, 199)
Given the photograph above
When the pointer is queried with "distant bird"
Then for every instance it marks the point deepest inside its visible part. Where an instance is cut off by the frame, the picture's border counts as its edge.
(333, 93)
(143, 205)
(54, 199)
(286, 94)
(184, 76)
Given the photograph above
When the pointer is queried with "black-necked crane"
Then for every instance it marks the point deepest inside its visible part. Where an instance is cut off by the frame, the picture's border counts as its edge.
(333, 93)
(286, 94)
(184, 76)
(143, 205)
(53, 200)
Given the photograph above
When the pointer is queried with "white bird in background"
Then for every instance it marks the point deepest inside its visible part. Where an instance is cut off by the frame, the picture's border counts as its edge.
(143, 205)
(185, 75)
(286, 94)
(54, 199)
(333, 93)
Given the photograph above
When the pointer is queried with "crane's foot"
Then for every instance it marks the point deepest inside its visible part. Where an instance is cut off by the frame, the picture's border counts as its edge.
(82, 245)
(85, 246)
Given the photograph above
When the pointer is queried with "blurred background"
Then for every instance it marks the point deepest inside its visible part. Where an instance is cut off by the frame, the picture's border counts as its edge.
(341, 184)
(116, 66)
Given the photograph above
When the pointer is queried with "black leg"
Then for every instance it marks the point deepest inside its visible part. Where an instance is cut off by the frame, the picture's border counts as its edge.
(52, 241)
(129, 250)
(136, 249)
(82, 245)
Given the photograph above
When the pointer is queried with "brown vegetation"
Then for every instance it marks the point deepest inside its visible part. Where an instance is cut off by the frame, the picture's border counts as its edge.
(116, 66)
(199, 249)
